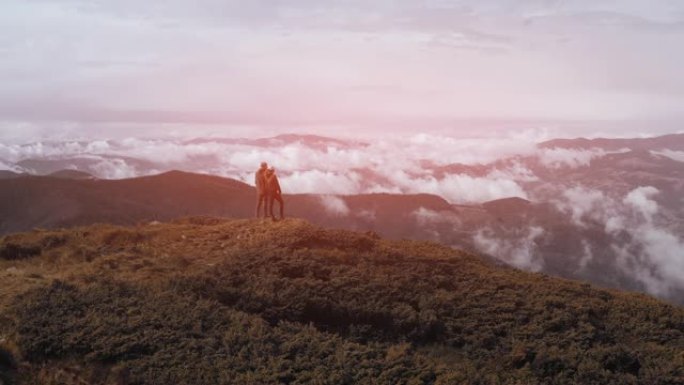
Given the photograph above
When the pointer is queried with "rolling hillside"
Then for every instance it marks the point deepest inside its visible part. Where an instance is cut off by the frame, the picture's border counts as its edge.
(50, 202)
(536, 236)
(215, 301)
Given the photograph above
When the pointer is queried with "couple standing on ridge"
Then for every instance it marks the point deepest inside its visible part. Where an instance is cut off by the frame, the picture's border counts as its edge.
(268, 191)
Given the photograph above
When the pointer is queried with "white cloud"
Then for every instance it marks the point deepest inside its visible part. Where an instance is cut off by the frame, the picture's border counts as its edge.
(320, 182)
(654, 257)
(426, 217)
(666, 251)
(583, 202)
(460, 188)
(515, 171)
(615, 224)
(445, 150)
(519, 251)
(367, 215)
(587, 254)
(334, 205)
(640, 200)
(631, 263)
(114, 169)
(10, 167)
(674, 155)
(645, 248)
(562, 157)
(467, 189)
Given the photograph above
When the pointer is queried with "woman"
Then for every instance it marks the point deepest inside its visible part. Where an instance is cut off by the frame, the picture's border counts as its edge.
(273, 193)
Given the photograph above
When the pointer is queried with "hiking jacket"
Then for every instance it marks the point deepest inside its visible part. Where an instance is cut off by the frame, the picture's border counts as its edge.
(272, 185)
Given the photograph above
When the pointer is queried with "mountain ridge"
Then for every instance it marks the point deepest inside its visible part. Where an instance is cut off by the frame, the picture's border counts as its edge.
(670, 141)
(163, 196)
(611, 215)
(514, 230)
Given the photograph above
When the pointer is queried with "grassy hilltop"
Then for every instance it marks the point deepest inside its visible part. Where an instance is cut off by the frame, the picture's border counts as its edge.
(214, 301)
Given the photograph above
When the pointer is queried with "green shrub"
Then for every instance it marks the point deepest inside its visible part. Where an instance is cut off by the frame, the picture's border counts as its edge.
(163, 337)
(251, 302)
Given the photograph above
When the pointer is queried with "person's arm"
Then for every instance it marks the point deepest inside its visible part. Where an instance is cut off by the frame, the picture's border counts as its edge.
(277, 184)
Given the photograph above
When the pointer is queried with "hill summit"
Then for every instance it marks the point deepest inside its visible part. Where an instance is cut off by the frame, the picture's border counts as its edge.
(216, 301)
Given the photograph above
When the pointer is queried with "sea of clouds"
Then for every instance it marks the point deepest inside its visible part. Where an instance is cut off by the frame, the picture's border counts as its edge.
(393, 165)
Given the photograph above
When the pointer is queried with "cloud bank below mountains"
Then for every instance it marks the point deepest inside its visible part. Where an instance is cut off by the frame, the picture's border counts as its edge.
(556, 158)
(393, 165)
(674, 155)
(645, 244)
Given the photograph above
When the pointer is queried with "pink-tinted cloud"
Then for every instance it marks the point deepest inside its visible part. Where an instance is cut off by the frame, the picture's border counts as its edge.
(409, 66)
(334, 205)
(519, 251)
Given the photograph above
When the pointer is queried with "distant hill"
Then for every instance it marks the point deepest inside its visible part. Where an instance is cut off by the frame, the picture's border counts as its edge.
(507, 206)
(206, 300)
(89, 163)
(313, 141)
(50, 202)
(71, 174)
(7, 174)
(55, 202)
(672, 142)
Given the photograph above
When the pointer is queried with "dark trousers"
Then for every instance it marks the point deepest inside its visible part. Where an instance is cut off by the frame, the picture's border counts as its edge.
(261, 200)
(271, 198)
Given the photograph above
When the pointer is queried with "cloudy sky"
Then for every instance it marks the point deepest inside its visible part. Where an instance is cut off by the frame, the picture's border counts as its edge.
(103, 68)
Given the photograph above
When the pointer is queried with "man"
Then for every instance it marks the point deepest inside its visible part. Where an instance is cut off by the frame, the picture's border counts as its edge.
(260, 183)
(273, 193)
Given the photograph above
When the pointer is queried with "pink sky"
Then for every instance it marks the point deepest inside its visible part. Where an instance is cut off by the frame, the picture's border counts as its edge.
(582, 67)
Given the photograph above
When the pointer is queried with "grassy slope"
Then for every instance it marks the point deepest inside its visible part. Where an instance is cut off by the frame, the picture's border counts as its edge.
(248, 302)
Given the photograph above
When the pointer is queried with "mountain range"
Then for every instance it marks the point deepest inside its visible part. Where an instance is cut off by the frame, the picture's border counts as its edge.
(607, 211)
